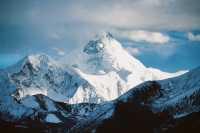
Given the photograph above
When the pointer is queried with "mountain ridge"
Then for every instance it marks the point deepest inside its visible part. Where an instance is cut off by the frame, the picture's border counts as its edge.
(123, 74)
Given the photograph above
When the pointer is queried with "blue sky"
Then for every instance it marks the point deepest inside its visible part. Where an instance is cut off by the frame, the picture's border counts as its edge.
(162, 34)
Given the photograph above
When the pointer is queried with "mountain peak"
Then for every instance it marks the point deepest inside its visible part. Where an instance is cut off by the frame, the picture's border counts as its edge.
(99, 43)
(38, 60)
(33, 61)
(106, 35)
(107, 54)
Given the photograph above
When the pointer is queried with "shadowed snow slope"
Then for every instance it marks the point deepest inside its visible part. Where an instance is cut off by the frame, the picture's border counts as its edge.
(178, 95)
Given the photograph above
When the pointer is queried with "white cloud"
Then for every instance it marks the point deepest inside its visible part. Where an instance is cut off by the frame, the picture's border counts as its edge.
(193, 37)
(133, 51)
(144, 36)
(59, 51)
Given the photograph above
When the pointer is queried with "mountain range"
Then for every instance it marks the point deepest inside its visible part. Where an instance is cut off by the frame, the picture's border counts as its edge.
(105, 91)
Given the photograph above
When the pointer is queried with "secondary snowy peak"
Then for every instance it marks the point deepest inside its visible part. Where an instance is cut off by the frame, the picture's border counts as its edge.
(39, 74)
(36, 62)
(38, 59)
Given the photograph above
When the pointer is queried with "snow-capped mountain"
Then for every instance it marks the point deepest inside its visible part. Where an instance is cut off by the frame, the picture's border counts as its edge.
(107, 72)
(107, 66)
(105, 54)
(41, 89)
